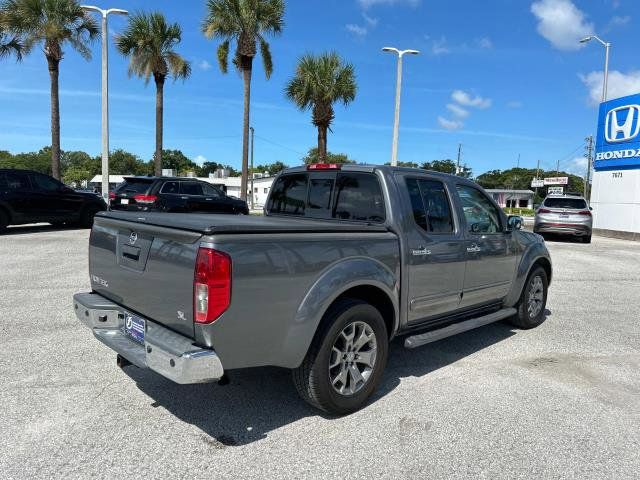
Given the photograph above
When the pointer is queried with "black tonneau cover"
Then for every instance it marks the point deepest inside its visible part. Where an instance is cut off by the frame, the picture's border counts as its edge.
(209, 224)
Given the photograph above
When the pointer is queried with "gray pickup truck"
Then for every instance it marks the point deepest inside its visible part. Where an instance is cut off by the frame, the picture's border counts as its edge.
(345, 259)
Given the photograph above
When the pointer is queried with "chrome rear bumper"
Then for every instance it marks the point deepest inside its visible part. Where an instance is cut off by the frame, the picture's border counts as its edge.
(172, 355)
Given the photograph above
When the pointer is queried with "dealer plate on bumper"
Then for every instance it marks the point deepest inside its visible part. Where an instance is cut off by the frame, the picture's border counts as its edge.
(134, 327)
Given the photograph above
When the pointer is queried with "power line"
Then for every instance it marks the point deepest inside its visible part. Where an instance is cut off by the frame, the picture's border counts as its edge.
(280, 145)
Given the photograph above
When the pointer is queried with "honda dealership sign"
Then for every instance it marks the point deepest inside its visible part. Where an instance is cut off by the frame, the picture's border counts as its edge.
(618, 141)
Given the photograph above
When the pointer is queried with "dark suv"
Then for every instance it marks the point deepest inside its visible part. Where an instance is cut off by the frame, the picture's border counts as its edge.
(31, 197)
(171, 194)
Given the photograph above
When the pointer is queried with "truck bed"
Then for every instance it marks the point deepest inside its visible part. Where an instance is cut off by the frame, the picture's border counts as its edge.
(211, 224)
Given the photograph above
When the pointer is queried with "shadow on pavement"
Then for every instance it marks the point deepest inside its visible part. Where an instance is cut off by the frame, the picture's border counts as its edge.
(260, 400)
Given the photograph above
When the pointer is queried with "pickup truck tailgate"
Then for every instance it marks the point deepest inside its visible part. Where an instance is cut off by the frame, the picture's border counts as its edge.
(146, 269)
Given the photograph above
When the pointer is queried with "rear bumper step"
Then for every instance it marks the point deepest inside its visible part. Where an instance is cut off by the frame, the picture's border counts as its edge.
(170, 354)
(435, 335)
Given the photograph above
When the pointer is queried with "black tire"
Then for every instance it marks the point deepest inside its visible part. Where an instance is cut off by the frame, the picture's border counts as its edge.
(526, 318)
(4, 221)
(586, 239)
(312, 377)
(86, 217)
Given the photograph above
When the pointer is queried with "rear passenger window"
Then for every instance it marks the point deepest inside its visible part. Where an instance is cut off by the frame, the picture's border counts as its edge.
(190, 188)
(430, 205)
(358, 197)
(289, 195)
(14, 181)
(171, 187)
(320, 195)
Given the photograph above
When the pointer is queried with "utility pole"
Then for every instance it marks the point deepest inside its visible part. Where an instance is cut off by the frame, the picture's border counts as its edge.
(558, 168)
(458, 163)
(252, 142)
(537, 175)
(589, 156)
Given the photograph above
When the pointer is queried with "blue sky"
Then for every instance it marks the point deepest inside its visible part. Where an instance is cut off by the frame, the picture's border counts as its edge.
(502, 77)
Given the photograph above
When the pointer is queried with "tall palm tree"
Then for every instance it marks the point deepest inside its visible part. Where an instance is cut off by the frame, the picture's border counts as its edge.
(52, 23)
(9, 45)
(245, 22)
(150, 41)
(319, 82)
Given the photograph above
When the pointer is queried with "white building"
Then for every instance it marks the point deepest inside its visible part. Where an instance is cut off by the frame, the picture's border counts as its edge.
(507, 198)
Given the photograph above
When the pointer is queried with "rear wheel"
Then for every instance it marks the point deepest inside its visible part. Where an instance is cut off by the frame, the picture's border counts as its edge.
(533, 300)
(346, 360)
(4, 221)
(586, 239)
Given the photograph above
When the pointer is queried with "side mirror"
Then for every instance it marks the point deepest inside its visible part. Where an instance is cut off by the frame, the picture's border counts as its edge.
(514, 222)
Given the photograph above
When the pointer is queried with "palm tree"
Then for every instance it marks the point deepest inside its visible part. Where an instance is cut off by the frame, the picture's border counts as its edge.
(52, 23)
(246, 22)
(9, 44)
(319, 82)
(149, 40)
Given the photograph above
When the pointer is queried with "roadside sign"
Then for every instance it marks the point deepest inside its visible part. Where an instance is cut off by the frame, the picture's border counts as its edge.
(618, 139)
(555, 191)
(556, 181)
(537, 182)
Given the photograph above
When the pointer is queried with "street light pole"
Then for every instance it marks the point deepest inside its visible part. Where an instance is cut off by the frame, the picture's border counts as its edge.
(252, 142)
(607, 48)
(396, 118)
(105, 93)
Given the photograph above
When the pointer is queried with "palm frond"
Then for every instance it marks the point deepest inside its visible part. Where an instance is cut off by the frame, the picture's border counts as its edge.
(267, 61)
(223, 56)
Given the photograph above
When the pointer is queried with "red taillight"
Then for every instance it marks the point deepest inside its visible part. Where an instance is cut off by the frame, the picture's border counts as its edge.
(584, 212)
(543, 210)
(112, 195)
(145, 198)
(323, 166)
(211, 285)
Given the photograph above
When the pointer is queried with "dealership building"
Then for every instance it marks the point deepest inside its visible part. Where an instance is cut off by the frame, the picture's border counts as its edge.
(615, 193)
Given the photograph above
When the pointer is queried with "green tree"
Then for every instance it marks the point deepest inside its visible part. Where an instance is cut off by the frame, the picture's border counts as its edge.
(245, 22)
(314, 157)
(122, 162)
(405, 164)
(9, 44)
(76, 176)
(39, 161)
(51, 23)
(209, 167)
(149, 41)
(520, 179)
(179, 162)
(319, 82)
(272, 168)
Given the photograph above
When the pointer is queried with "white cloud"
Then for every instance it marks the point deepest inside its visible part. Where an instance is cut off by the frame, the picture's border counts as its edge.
(204, 65)
(467, 100)
(484, 42)
(371, 21)
(439, 47)
(577, 166)
(562, 23)
(200, 159)
(370, 3)
(514, 104)
(616, 21)
(457, 110)
(620, 84)
(357, 30)
(450, 124)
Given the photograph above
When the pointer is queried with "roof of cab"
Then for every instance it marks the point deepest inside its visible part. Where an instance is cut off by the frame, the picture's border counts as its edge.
(350, 167)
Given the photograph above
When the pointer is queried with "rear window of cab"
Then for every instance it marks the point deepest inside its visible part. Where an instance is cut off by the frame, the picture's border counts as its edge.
(354, 196)
(134, 185)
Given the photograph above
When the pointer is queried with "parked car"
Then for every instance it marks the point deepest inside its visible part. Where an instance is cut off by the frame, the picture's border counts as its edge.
(172, 194)
(345, 259)
(32, 197)
(564, 215)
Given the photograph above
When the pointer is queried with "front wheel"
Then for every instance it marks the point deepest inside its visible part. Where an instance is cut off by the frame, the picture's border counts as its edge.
(533, 300)
(86, 217)
(346, 359)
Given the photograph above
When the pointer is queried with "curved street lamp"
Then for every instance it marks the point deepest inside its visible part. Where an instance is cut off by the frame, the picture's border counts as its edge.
(607, 47)
(396, 121)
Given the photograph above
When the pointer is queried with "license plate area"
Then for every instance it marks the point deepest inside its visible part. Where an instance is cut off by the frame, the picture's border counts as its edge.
(124, 201)
(134, 327)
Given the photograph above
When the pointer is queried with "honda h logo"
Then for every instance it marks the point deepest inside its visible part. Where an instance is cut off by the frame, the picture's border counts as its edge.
(622, 124)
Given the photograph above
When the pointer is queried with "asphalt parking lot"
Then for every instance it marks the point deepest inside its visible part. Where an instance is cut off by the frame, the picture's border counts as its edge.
(560, 401)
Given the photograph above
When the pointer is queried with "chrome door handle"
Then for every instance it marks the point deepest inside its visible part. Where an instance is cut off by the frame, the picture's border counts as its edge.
(184, 198)
(420, 251)
(474, 248)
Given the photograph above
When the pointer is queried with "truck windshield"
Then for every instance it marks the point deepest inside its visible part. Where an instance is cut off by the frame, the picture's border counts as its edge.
(346, 196)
